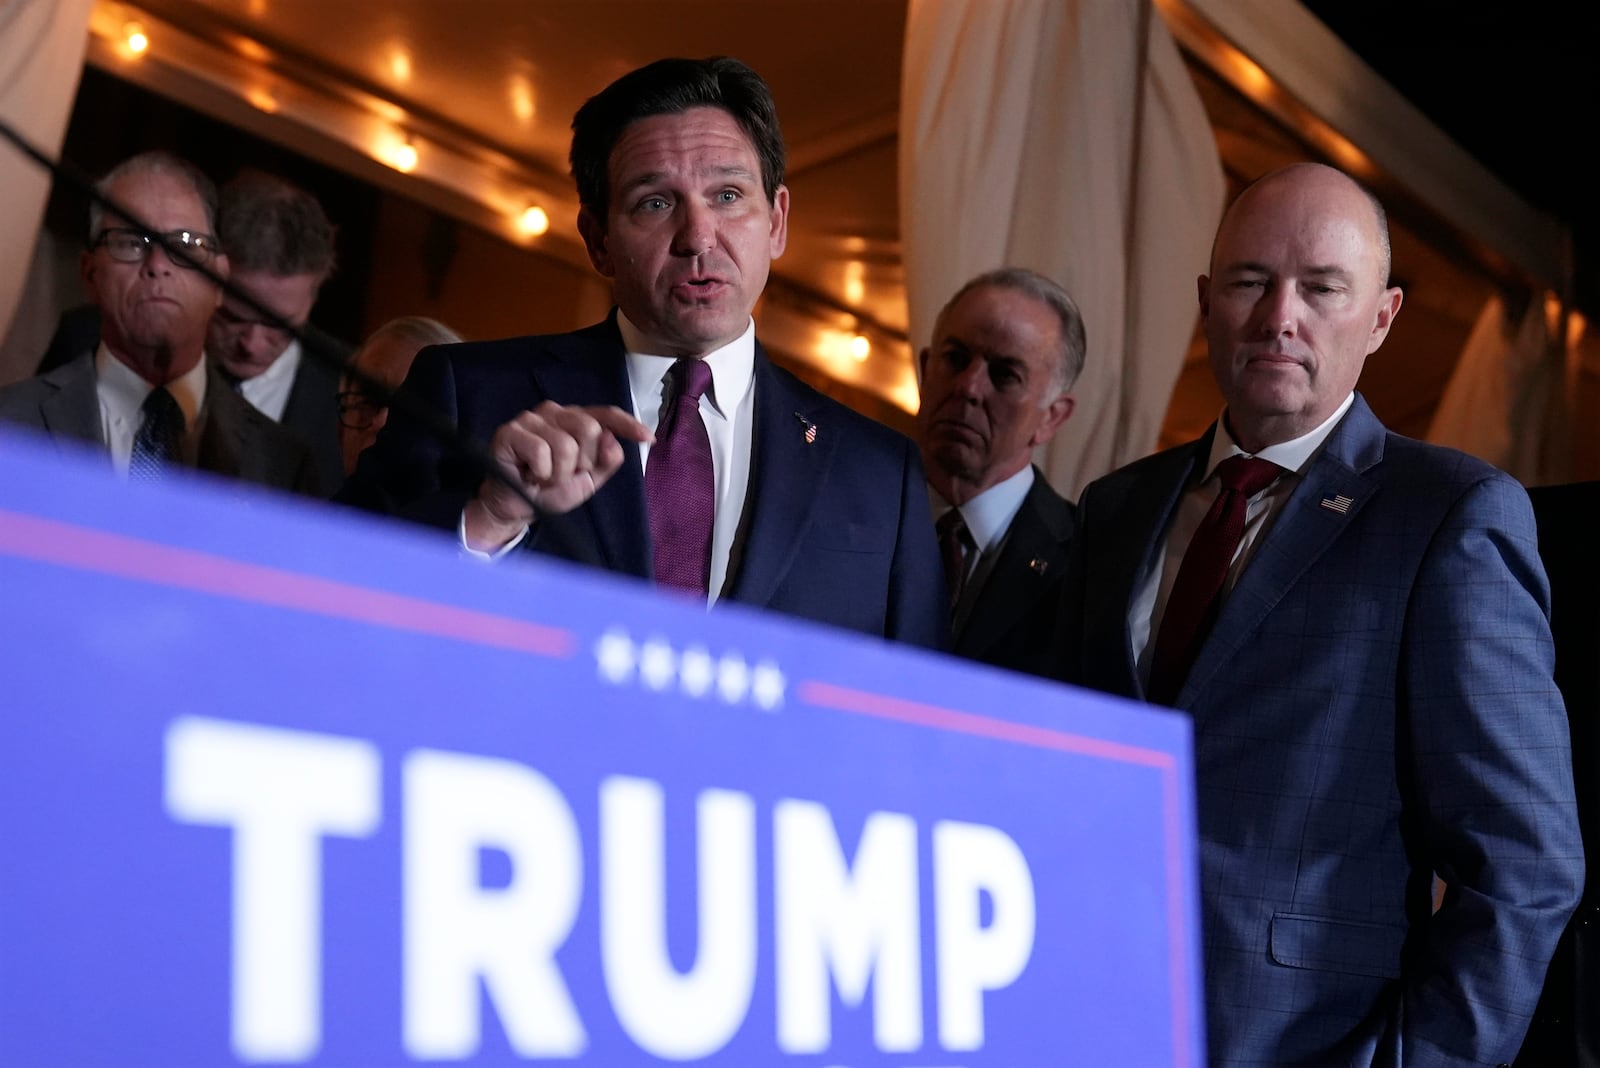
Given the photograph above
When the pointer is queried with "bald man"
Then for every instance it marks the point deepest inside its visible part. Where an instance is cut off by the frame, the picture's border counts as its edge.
(1358, 625)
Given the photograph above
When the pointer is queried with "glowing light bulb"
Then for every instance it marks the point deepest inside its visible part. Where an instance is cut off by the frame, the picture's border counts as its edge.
(405, 157)
(534, 221)
(135, 38)
(860, 348)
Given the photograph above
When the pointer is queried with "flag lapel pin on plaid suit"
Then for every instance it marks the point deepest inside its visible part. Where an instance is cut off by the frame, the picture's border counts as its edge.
(1340, 504)
(810, 428)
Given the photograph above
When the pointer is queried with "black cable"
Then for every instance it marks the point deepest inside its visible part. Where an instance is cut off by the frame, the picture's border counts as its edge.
(320, 349)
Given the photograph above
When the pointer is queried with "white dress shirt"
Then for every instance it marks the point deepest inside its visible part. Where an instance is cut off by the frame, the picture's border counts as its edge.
(121, 392)
(1155, 585)
(269, 390)
(728, 410)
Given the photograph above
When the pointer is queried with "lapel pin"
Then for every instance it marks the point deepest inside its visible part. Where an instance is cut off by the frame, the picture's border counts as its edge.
(1038, 565)
(810, 428)
(1340, 504)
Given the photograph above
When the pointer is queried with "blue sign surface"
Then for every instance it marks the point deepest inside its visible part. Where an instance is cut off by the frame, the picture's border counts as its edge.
(284, 784)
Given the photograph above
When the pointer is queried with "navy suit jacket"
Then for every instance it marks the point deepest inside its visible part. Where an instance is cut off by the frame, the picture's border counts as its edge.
(1011, 621)
(1374, 704)
(235, 439)
(835, 530)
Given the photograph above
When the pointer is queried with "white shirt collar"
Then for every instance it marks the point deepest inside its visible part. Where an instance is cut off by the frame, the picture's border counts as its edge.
(269, 390)
(732, 367)
(1289, 455)
(122, 390)
(988, 515)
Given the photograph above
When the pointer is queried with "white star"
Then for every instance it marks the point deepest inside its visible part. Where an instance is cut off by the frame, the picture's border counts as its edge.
(733, 678)
(614, 654)
(767, 685)
(657, 665)
(696, 671)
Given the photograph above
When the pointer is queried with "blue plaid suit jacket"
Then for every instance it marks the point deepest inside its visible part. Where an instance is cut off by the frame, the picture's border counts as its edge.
(1374, 705)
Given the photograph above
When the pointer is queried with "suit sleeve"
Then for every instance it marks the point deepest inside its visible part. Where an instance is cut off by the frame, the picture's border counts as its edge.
(917, 599)
(1484, 739)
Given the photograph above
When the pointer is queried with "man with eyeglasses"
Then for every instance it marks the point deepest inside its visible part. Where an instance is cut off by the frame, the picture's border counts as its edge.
(147, 395)
(384, 357)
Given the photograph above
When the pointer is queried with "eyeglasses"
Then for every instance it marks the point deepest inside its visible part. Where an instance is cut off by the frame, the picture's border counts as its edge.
(359, 410)
(184, 247)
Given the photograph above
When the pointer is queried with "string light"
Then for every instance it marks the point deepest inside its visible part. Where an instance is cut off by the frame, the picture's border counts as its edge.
(405, 157)
(860, 348)
(534, 221)
(135, 38)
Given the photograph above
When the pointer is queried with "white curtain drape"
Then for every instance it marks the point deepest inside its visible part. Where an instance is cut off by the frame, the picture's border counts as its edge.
(1065, 136)
(42, 44)
(1505, 401)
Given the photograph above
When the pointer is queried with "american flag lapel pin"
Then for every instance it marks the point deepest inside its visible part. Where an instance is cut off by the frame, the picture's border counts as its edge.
(1340, 504)
(810, 431)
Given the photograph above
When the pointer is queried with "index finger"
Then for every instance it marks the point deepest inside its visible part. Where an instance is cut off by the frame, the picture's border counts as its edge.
(621, 424)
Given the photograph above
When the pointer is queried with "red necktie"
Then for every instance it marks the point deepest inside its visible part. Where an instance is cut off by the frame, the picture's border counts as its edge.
(1196, 593)
(680, 483)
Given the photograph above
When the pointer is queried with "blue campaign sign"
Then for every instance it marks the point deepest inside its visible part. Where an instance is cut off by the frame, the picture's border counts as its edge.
(282, 784)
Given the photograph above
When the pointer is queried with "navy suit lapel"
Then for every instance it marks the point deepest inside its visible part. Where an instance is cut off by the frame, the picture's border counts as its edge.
(590, 368)
(1031, 560)
(1302, 532)
(787, 476)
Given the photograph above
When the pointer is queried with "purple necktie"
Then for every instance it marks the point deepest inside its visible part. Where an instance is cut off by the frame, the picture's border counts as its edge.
(680, 485)
(1196, 592)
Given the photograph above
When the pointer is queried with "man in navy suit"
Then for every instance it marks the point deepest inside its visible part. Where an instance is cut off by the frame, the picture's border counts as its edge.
(996, 384)
(815, 511)
(1373, 701)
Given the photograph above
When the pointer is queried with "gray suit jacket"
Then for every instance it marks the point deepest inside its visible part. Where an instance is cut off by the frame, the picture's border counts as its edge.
(1010, 620)
(235, 439)
(1374, 704)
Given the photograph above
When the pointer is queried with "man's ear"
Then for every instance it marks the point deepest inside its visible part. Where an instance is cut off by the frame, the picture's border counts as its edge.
(87, 264)
(1388, 308)
(778, 239)
(1055, 414)
(594, 239)
(1202, 287)
(221, 267)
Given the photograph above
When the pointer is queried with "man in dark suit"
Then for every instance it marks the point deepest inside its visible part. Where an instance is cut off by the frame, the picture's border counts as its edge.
(996, 384)
(1361, 635)
(147, 394)
(1566, 1029)
(281, 247)
(662, 443)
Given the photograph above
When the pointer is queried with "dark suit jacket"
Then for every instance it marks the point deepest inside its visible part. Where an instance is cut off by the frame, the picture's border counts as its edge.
(235, 439)
(312, 410)
(835, 530)
(1566, 1029)
(1011, 619)
(1374, 704)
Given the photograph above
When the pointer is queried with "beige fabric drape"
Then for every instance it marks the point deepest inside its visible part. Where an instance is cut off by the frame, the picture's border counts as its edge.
(1065, 136)
(1505, 402)
(42, 45)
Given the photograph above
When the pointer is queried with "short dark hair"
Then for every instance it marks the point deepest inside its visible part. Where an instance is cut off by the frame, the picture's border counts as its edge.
(155, 163)
(268, 224)
(1050, 293)
(671, 87)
